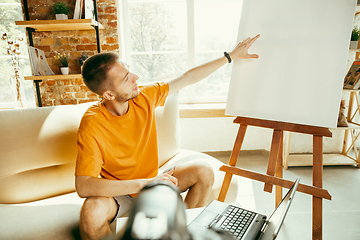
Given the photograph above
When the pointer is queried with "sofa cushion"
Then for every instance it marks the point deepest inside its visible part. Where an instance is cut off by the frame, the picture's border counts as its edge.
(54, 218)
(38, 152)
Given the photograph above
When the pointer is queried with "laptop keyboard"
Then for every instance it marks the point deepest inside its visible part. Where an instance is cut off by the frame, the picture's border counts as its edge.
(237, 221)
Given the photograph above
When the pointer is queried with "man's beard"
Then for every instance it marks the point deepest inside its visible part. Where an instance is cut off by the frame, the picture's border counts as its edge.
(126, 97)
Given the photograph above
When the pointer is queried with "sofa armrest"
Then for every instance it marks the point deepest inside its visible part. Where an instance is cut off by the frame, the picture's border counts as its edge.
(168, 129)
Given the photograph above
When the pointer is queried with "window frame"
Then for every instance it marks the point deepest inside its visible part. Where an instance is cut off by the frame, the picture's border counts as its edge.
(12, 104)
(124, 41)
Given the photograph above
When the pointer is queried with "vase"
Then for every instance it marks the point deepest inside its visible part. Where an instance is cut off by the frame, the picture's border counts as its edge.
(18, 92)
(61, 16)
(353, 44)
(64, 70)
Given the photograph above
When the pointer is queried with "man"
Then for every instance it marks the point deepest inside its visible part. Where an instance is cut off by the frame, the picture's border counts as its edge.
(117, 140)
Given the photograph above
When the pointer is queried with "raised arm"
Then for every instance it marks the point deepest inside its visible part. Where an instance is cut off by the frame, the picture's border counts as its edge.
(196, 74)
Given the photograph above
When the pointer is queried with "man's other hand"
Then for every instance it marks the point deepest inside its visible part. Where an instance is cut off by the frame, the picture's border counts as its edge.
(167, 177)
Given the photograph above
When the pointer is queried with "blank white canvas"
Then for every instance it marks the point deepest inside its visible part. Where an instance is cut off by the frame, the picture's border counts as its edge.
(303, 51)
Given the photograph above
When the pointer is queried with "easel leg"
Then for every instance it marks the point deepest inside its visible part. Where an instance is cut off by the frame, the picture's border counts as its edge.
(232, 162)
(237, 146)
(279, 172)
(317, 182)
(225, 187)
(274, 153)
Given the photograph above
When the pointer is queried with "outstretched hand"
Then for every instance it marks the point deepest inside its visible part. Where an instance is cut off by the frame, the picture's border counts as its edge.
(242, 48)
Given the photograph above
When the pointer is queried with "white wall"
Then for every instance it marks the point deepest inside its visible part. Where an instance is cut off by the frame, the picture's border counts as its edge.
(218, 134)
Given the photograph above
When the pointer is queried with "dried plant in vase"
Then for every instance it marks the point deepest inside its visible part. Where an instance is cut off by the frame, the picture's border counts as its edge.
(82, 59)
(13, 50)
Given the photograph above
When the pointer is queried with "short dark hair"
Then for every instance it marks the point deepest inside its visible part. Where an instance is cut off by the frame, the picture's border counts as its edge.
(95, 71)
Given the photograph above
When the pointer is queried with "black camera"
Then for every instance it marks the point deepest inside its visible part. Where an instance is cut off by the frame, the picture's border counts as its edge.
(159, 213)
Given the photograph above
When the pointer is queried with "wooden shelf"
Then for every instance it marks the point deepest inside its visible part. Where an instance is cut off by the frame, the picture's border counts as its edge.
(354, 50)
(302, 160)
(32, 26)
(60, 25)
(48, 77)
(350, 127)
(351, 90)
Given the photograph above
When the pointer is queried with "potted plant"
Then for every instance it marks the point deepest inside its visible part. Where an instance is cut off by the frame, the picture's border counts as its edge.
(355, 34)
(82, 59)
(61, 10)
(64, 60)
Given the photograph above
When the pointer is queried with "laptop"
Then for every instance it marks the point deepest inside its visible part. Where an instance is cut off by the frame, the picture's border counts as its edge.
(241, 223)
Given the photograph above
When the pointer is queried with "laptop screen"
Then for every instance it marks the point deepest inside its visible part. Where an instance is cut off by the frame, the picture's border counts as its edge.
(275, 221)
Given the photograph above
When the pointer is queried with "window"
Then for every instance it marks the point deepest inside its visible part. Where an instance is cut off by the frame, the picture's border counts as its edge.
(160, 39)
(10, 11)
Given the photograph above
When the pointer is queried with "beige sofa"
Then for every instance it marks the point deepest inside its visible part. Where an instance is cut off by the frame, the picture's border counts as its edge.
(37, 159)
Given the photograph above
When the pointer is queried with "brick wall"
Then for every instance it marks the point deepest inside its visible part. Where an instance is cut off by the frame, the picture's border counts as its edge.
(76, 43)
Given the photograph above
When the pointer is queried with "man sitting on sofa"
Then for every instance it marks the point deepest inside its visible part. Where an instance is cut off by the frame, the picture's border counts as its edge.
(117, 140)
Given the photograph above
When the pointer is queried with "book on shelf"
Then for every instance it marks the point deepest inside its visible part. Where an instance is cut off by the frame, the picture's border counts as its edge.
(351, 80)
(84, 8)
(78, 9)
(89, 9)
(39, 65)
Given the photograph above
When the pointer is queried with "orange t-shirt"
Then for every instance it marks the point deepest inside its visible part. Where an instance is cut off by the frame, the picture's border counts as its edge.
(121, 147)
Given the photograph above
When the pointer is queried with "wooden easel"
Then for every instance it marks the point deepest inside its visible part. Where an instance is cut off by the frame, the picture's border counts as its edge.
(274, 172)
